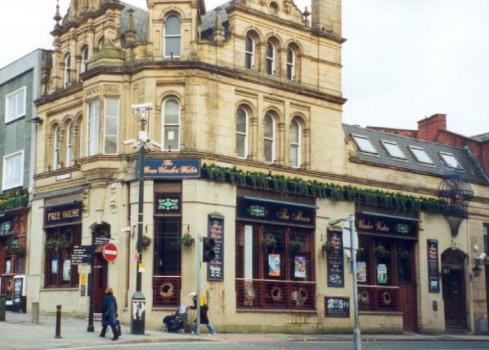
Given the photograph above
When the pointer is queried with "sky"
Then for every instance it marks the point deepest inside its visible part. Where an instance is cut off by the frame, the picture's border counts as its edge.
(403, 59)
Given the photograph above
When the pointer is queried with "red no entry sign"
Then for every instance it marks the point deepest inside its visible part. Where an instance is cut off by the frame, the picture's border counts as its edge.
(110, 252)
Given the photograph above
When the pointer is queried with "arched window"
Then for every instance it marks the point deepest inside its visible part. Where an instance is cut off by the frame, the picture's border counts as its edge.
(173, 36)
(295, 143)
(67, 69)
(291, 63)
(57, 148)
(250, 52)
(100, 43)
(271, 58)
(171, 124)
(70, 154)
(242, 132)
(270, 137)
(84, 59)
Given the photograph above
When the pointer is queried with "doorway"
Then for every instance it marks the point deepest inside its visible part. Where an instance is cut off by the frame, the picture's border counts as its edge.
(454, 295)
(100, 281)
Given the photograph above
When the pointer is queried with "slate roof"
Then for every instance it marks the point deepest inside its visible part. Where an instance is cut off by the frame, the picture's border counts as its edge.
(140, 17)
(482, 137)
(209, 19)
(472, 169)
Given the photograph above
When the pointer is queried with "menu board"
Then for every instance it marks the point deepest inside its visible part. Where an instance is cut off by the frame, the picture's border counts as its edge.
(215, 230)
(337, 307)
(433, 266)
(335, 260)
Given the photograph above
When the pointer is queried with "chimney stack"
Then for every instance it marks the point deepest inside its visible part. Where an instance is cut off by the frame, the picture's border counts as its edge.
(326, 15)
(428, 128)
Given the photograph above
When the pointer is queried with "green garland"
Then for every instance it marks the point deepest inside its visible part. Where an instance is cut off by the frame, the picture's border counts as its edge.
(14, 200)
(299, 187)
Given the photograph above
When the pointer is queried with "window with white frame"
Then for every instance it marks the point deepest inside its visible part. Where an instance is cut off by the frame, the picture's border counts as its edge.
(420, 155)
(295, 152)
(364, 144)
(250, 52)
(70, 154)
(67, 70)
(242, 132)
(111, 126)
(84, 60)
(393, 149)
(93, 127)
(15, 104)
(173, 36)
(450, 160)
(291, 63)
(271, 58)
(171, 124)
(13, 170)
(270, 137)
(57, 148)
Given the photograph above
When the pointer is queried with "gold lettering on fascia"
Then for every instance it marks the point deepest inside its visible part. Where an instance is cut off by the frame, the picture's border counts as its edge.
(65, 214)
(185, 169)
(378, 226)
(298, 216)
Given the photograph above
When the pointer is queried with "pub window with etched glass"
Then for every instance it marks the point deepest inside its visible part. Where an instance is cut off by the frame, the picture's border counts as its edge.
(59, 270)
(278, 262)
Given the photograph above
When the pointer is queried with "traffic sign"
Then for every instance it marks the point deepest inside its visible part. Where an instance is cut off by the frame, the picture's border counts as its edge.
(110, 252)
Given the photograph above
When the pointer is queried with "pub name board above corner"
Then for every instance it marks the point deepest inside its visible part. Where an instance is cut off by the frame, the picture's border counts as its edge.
(63, 214)
(276, 212)
(381, 225)
(171, 168)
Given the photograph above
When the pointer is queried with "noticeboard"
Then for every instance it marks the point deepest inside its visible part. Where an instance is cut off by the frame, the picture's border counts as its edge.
(433, 266)
(215, 230)
(81, 254)
(337, 307)
(335, 259)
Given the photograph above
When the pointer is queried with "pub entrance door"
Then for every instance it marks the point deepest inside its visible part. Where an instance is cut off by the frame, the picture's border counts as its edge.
(100, 281)
(454, 296)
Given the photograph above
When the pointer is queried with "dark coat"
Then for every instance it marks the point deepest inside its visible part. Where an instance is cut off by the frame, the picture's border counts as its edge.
(109, 310)
(204, 319)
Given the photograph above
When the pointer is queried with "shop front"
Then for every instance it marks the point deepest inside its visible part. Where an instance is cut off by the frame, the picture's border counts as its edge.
(386, 266)
(13, 232)
(275, 254)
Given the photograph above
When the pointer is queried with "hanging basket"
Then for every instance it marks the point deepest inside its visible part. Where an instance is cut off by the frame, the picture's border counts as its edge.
(187, 240)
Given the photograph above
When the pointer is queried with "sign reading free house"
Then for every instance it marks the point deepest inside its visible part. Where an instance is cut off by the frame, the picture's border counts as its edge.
(171, 168)
(65, 214)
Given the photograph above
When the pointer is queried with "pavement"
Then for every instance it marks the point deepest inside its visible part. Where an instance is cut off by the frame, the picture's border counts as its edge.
(20, 334)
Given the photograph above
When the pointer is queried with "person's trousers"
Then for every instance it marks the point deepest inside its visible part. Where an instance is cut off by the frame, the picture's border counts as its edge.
(114, 331)
(210, 328)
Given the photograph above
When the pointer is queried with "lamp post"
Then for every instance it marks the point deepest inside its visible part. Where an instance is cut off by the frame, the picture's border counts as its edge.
(138, 301)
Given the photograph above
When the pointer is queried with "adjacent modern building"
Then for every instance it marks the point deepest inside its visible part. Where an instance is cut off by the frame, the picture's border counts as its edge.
(250, 149)
(20, 84)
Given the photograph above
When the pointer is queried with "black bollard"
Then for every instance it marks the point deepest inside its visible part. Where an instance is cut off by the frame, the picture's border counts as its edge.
(58, 322)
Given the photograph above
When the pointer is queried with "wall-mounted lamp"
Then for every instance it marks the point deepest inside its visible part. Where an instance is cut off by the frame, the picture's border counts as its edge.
(478, 261)
(36, 120)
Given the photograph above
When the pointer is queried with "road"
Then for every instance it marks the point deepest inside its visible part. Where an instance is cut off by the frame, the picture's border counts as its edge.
(381, 345)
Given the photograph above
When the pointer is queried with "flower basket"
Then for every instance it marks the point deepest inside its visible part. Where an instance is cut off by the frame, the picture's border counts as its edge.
(187, 240)
(146, 242)
(55, 244)
(295, 246)
(328, 247)
(269, 241)
(381, 251)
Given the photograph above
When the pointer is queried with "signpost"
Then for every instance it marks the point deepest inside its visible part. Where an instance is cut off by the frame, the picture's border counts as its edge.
(110, 252)
(81, 254)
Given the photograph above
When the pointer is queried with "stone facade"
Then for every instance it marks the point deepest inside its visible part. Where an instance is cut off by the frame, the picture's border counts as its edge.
(251, 86)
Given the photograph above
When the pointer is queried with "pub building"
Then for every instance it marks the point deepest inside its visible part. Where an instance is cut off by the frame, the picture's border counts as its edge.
(13, 235)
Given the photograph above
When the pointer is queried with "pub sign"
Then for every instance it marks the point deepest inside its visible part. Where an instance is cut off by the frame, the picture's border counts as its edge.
(171, 168)
(276, 212)
(63, 214)
(167, 203)
(381, 225)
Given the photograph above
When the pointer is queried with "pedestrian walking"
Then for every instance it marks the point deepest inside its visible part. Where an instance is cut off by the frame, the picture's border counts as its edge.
(204, 318)
(109, 314)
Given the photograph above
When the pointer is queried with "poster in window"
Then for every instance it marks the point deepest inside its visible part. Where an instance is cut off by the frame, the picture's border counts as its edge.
(361, 271)
(382, 274)
(215, 230)
(8, 266)
(300, 267)
(54, 266)
(433, 267)
(66, 270)
(274, 265)
(335, 260)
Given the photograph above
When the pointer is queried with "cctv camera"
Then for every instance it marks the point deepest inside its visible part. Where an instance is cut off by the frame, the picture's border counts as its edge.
(140, 106)
(482, 256)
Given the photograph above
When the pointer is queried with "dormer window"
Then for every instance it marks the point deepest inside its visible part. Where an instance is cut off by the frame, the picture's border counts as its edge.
(364, 144)
(67, 70)
(173, 36)
(420, 155)
(393, 149)
(450, 160)
(250, 52)
(271, 58)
